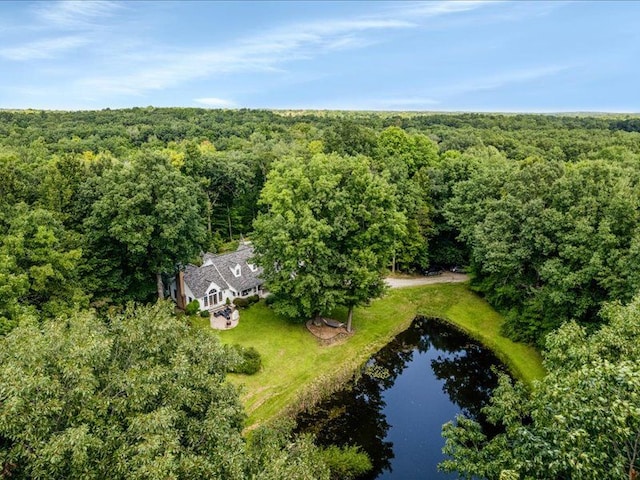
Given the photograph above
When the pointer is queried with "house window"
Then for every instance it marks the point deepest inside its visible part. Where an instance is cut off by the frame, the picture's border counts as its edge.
(212, 297)
(236, 271)
(252, 267)
(206, 301)
(190, 299)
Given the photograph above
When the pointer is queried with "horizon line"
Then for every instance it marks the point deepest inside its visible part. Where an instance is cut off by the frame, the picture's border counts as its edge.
(328, 110)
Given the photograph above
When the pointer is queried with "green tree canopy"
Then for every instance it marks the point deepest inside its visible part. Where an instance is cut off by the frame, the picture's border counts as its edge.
(405, 158)
(146, 220)
(38, 263)
(141, 397)
(581, 421)
(550, 241)
(327, 233)
(346, 137)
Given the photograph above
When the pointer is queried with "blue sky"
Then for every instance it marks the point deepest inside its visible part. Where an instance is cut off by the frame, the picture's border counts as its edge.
(437, 56)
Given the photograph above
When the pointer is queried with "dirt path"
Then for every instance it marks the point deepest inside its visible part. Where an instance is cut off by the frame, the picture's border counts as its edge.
(446, 277)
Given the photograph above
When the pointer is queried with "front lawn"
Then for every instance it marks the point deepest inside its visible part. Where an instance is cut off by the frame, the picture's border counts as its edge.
(297, 369)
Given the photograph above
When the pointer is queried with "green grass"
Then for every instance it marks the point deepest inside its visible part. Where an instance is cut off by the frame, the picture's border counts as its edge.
(297, 370)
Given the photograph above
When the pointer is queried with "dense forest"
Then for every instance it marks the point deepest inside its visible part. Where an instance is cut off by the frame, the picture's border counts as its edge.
(101, 208)
(543, 209)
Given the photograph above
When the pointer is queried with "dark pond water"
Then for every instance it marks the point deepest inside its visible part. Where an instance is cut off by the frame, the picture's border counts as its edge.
(395, 411)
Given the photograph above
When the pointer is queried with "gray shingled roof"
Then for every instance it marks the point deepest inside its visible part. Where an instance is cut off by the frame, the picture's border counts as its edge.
(199, 278)
(228, 261)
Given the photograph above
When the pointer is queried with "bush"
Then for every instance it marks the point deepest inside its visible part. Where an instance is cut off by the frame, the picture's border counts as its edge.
(253, 299)
(250, 363)
(346, 462)
(204, 313)
(271, 299)
(192, 308)
(241, 302)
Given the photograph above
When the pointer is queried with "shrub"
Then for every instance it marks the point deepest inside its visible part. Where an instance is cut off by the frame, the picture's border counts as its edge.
(241, 302)
(346, 462)
(271, 299)
(250, 363)
(204, 313)
(253, 299)
(192, 308)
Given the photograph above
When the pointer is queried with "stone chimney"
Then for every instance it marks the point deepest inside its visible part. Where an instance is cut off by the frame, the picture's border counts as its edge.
(181, 298)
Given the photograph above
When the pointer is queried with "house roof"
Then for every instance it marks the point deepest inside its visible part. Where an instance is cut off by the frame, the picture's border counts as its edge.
(219, 269)
(199, 278)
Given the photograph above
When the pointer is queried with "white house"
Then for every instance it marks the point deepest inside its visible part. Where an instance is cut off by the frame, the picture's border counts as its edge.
(220, 277)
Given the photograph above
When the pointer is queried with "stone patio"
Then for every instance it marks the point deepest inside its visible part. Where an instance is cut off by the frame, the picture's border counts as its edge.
(220, 323)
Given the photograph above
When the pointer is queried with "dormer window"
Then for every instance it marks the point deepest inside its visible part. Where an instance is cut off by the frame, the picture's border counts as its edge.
(236, 270)
(252, 267)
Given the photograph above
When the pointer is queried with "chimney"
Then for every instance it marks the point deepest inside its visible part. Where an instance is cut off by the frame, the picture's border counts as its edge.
(181, 298)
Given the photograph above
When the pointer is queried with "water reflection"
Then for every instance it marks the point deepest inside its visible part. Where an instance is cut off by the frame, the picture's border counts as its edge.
(410, 388)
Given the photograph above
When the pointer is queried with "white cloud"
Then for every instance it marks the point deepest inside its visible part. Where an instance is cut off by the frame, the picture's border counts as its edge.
(434, 9)
(75, 13)
(41, 49)
(154, 67)
(215, 102)
(266, 52)
(82, 22)
(498, 80)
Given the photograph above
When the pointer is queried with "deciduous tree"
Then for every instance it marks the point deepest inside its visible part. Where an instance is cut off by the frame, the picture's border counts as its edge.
(38, 267)
(145, 222)
(581, 421)
(327, 233)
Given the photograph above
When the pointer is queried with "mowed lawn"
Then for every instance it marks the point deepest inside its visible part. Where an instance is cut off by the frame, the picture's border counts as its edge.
(298, 370)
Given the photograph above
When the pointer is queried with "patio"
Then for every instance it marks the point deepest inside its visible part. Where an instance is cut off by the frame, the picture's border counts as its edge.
(220, 322)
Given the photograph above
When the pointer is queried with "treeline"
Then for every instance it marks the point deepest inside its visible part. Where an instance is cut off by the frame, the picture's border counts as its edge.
(101, 207)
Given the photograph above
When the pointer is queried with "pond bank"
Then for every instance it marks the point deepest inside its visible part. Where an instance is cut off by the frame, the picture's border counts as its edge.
(298, 371)
(395, 410)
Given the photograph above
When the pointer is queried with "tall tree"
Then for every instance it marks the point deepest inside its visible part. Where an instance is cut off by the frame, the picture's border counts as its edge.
(405, 158)
(146, 221)
(140, 397)
(581, 421)
(550, 241)
(348, 138)
(38, 267)
(327, 233)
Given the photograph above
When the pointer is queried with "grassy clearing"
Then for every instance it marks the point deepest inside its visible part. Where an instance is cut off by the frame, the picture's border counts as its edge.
(297, 370)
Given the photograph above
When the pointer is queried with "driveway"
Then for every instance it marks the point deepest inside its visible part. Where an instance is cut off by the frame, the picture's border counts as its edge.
(446, 277)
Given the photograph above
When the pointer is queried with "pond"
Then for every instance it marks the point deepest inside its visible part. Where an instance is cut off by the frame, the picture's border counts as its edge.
(395, 411)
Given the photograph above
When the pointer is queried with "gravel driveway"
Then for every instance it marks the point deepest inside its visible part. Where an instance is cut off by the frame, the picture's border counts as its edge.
(446, 277)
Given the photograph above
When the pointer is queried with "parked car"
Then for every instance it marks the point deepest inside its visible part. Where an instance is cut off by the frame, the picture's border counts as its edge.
(432, 271)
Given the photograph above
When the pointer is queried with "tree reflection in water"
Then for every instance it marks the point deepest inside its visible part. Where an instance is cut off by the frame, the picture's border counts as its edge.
(464, 370)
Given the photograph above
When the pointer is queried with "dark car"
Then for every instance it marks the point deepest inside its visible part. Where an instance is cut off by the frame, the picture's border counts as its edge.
(432, 271)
